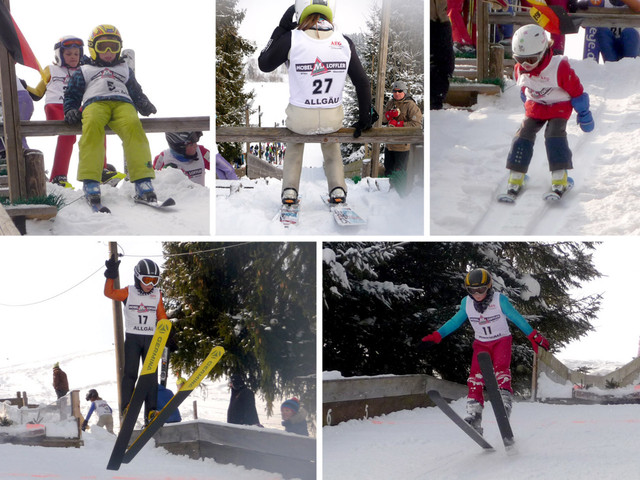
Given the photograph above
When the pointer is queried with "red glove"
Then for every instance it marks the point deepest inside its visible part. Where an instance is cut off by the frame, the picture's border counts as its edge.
(391, 114)
(537, 340)
(395, 123)
(432, 338)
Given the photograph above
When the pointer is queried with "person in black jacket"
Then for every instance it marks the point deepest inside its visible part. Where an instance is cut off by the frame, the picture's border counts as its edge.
(242, 405)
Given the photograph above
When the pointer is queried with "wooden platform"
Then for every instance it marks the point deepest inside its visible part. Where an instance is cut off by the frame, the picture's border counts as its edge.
(466, 94)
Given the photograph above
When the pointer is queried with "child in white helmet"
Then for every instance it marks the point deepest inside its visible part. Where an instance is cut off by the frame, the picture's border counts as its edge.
(551, 90)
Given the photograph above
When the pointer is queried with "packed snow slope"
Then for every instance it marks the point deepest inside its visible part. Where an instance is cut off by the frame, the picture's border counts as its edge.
(468, 152)
(552, 441)
(190, 215)
(97, 370)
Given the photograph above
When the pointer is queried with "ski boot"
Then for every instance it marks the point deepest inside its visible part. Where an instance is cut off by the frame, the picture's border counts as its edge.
(62, 181)
(559, 182)
(150, 416)
(507, 400)
(516, 182)
(91, 190)
(337, 195)
(289, 196)
(474, 415)
(144, 190)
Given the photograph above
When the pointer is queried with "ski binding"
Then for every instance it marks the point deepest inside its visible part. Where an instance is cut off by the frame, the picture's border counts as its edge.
(551, 196)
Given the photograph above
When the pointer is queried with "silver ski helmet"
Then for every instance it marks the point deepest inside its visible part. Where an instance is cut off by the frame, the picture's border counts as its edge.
(146, 272)
(529, 45)
(178, 141)
(68, 41)
(304, 8)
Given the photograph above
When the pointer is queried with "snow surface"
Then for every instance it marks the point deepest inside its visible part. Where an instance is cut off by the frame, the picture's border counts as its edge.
(469, 151)
(255, 211)
(190, 215)
(97, 371)
(552, 441)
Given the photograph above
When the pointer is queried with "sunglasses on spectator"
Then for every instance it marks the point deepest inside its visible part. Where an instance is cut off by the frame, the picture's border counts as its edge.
(398, 91)
(150, 280)
(102, 46)
(473, 290)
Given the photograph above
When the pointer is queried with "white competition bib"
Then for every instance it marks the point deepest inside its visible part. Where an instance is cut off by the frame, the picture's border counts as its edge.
(140, 312)
(543, 88)
(317, 70)
(490, 324)
(59, 80)
(194, 169)
(105, 81)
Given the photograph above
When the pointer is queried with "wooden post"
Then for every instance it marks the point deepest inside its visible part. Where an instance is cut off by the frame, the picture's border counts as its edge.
(496, 61)
(34, 168)
(482, 39)
(534, 378)
(246, 118)
(381, 78)
(11, 119)
(195, 410)
(118, 332)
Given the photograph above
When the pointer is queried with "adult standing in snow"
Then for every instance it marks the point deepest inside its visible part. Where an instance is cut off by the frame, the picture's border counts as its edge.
(185, 153)
(60, 382)
(442, 60)
(294, 417)
(242, 405)
(550, 90)
(319, 59)
(488, 311)
(143, 308)
(102, 409)
(400, 111)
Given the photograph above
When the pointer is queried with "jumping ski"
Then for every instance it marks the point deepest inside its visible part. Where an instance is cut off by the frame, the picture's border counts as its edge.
(510, 196)
(146, 380)
(493, 392)
(158, 421)
(289, 214)
(458, 420)
(96, 204)
(343, 214)
(167, 203)
(552, 196)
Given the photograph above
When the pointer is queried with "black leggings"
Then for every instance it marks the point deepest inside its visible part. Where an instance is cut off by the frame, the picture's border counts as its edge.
(135, 350)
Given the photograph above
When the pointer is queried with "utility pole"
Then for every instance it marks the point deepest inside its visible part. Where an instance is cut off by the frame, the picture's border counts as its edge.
(118, 332)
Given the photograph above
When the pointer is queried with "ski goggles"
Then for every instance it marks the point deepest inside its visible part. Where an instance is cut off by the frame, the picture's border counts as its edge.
(71, 42)
(528, 61)
(150, 280)
(474, 290)
(104, 46)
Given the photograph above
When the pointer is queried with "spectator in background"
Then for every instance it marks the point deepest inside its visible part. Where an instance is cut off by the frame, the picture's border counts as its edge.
(60, 382)
(294, 417)
(102, 409)
(441, 63)
(164, 395)
(242, 405)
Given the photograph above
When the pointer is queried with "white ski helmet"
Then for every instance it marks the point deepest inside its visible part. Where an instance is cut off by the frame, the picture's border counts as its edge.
(529, 45)
(68, 41)
(304, 8)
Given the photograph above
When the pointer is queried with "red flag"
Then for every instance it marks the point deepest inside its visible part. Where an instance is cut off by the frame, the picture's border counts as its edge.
(14, 41)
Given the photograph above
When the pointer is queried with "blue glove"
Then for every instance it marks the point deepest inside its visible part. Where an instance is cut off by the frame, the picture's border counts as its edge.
(523, 97)
(581, 106)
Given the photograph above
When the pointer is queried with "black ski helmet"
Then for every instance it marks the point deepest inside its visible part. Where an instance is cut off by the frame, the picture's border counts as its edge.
(93, 393)
(478, 278)
(145, 268)
(179, 140)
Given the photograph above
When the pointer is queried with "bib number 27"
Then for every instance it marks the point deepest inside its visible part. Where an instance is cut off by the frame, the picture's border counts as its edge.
(318, 86)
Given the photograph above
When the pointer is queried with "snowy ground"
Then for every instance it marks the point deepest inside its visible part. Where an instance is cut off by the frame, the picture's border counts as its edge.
(97, 370)
(255, 211)
(190, 215)
(552, 441)
(469, 151)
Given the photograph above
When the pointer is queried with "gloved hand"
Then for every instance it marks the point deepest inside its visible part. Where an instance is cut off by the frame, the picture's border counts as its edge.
(146, 108)
(523, 96)
(395, 123)
(581, 105)
(537, 340)
(112, 267)
(73, 116)
(286, 21)
(84, 425)
(431, 339)
(391, 114)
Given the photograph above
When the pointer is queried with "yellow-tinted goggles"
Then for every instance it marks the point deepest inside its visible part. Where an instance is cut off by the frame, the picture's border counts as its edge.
(150, 280)
(104, 46)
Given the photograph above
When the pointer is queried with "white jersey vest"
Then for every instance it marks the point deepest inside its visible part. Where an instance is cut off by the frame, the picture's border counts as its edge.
(194, 169)
(105, 81)
(317, 70)
(543, 88)
(102, 408)
(490, 324)
(59, 80)
(140, 312)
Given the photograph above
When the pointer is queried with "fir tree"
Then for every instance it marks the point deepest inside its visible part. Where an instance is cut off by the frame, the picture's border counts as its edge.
(257, 300)
(231, 49)
(365, 335)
